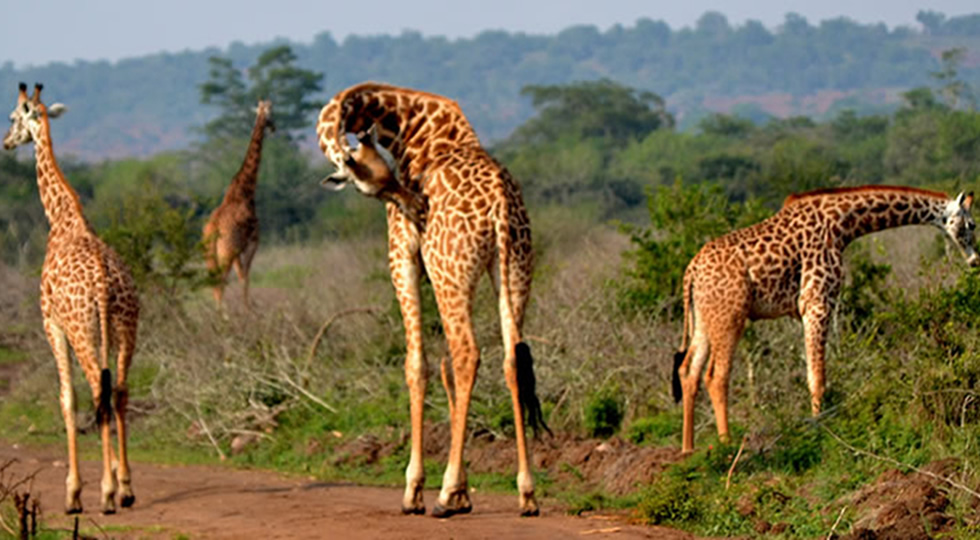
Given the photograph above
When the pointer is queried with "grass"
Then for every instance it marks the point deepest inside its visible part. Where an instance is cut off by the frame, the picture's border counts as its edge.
(900, 377)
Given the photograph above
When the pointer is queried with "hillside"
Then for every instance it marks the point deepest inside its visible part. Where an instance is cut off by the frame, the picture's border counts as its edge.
(141, 106)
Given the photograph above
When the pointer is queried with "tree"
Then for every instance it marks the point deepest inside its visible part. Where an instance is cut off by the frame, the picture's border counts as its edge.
(952, 89)
(273, 76)
(603, 108)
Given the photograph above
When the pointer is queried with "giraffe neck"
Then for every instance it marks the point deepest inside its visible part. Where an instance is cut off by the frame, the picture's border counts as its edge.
(415, 127)
(867, 210)
(61, 204)
(243, 185)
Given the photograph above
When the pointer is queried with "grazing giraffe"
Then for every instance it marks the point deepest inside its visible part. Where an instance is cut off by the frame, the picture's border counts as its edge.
(231, 235)
(790, 264)
(453, 212)
(88, 301)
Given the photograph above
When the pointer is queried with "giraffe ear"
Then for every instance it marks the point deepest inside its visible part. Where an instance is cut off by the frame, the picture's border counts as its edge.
(369, 136)
(56, 110)
(967, 201)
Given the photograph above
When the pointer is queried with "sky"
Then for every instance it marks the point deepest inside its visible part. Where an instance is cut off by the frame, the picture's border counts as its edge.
(43, 31)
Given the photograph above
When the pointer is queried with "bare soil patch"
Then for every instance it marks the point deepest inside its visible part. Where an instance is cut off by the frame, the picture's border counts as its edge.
(216, 502)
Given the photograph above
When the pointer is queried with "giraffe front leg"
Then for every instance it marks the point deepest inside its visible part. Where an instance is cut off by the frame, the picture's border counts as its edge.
(73, 482)
(816, 325)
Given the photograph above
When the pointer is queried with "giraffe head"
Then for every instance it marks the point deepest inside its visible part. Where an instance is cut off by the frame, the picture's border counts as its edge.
(370, 167)
(958, 223)
(264, 109)
(26, 119)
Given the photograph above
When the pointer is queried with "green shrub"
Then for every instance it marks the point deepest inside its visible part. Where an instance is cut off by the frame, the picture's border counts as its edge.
(682, 219)
(659, 429)
(671, 499)
(603, 413)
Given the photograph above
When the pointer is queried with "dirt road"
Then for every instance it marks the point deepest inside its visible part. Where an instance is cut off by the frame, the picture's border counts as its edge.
(216, 502)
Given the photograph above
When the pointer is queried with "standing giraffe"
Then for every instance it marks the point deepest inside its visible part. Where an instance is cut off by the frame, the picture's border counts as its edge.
(790, 264)
(88, 301)
(231, 235)
(453, 212)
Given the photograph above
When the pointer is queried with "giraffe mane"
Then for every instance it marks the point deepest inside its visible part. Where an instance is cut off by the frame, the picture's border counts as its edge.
(797, 197)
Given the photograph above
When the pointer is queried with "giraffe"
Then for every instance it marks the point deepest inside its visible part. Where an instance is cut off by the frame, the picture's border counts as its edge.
(88, 302)
(453, 212)
(231, 235)
(790, 264)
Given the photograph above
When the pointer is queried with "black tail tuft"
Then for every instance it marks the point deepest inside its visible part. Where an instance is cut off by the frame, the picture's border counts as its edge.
(526, 393)
(105, 397)
(675, 380)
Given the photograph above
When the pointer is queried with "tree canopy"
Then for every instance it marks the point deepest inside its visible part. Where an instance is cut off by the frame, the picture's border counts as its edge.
(273, 76)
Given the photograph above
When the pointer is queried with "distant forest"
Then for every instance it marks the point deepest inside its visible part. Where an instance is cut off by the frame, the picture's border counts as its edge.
(142, 106)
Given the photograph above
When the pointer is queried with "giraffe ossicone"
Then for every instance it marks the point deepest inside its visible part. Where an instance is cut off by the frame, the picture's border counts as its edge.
(454, 213)
(88, 302)
(791, 264)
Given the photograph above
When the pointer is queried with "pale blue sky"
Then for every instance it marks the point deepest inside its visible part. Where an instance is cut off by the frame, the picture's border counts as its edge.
(42, 31)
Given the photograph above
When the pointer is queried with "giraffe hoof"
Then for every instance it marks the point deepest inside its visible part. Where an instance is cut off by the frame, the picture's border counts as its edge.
(127, 501)
(413, 510)
(440, 511)
(73, 509)
(108, 510)
(530, 512)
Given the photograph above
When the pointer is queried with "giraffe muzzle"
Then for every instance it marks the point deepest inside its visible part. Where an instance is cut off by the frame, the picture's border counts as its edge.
(335, 182)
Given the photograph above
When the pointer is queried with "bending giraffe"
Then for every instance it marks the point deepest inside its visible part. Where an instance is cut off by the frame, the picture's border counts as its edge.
(790, 264)
(231, 235)
(88, 301)
(453, 212)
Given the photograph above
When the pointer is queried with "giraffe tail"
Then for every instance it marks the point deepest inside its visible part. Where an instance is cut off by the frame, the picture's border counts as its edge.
(526, 382)
(104, 409)
(675, 379)
(526, 392)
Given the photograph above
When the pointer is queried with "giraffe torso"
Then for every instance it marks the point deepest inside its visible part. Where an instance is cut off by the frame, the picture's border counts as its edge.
(464, 190)
(78, 268)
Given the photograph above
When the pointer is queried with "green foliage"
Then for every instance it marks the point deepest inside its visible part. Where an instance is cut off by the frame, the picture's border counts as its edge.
(682, 219)
(670, 500)
(659, 429)
(144, 105)
(273, 76)
(603, 412)
(864, 291)
(724, 125)
(23, 226)
(600, 109)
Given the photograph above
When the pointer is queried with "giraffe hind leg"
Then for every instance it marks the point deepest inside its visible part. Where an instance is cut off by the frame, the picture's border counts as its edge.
(73, 482)
(121, 395)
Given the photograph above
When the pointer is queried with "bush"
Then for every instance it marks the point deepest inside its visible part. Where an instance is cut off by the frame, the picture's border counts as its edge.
(660, 429)
(603, 413)
(682, 219)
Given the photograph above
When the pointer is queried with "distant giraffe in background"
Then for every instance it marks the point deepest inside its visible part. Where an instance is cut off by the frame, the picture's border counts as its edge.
(88, 301)
(453, 213)
(790, 264)
(231, 235)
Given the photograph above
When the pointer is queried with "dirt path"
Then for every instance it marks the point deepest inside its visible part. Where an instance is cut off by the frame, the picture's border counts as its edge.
(214, 502)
